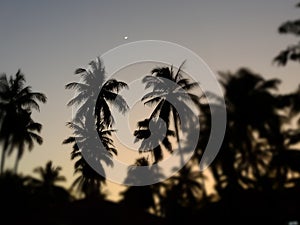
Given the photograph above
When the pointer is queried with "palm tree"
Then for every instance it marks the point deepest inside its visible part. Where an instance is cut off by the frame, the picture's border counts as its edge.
(24, 133)
(16, 100)
(89, 182)
(285, 160)
(183, 195)
(49, 175)
(45, 188)
(170, 91)
(95, 93)
(138, 197)
(253, 124)
(292, 52)
(157, 140)
(143, 197)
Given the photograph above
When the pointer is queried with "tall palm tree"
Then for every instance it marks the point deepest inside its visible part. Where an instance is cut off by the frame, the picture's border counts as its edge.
(89, 182)
(94, 98)
(170, 91)
(16, 100)
(253, 123)
(96, 93)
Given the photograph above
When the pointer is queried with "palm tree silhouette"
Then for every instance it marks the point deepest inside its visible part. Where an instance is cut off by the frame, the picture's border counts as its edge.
(170, 92)
(292, 52)
(284, 163)
(138, 197)
(143, 197)
(252, 118)
(16, 104)
(184, 191)
(89, 182)
(46, 191)
(49, 175)
(96, 93)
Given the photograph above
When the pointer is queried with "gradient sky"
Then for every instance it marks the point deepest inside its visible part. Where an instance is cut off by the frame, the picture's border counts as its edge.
(48, 40)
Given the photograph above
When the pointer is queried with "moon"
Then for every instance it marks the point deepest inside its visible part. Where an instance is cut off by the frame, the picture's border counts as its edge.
(125, 37)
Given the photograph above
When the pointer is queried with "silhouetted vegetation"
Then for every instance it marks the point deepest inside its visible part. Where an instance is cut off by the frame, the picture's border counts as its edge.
(255, 178)
(292, 52)
(17, 127)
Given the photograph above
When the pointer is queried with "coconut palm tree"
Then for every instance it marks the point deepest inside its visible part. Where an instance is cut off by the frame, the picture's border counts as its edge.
(171, 91)
(49, 175)
(145, 197)
(16, 100)
(96, 93)
(45, 188)
(253, 124)
(285, 160)
(138, 197)
(95, 96)
(292, 52)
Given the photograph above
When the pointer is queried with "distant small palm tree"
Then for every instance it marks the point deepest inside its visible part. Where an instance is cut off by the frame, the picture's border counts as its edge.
(45, 187)
(49, 175)
(16, 102)
(142, 197)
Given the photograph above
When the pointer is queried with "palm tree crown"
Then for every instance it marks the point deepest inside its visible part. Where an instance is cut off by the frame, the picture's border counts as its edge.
(170, 92)
(95, 94)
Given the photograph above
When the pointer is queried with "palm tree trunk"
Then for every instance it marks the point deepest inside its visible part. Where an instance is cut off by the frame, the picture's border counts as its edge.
(178, 139)
(3, 156)
(180, 149)
(2, 161)
(16, 164)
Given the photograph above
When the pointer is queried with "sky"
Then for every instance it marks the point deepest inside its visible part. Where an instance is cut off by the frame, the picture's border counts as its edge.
(48, 40)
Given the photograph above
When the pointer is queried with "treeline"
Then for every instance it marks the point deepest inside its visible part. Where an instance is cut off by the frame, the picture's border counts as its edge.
(256, 172)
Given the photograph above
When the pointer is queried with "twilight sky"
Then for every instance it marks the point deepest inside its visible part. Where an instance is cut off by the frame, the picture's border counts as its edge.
(48, 40)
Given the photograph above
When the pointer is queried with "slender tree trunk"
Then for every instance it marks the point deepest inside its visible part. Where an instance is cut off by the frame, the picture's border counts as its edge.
(4, 150)
(178, 139)
(2, 161)
(16, 164)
